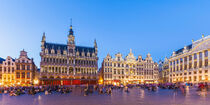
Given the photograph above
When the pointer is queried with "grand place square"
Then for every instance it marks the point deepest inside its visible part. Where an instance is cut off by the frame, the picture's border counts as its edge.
(104, 52)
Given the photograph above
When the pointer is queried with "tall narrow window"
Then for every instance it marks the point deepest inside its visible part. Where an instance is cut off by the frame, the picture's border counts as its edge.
(28, 75)
(17, 74)
(195, 56)
(23, 74)
(23, 67)
(28, 67)
(206, 53)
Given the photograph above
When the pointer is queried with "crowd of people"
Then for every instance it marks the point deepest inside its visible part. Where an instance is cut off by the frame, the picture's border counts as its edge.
(100, 89)
(32, 90)
(186, 86)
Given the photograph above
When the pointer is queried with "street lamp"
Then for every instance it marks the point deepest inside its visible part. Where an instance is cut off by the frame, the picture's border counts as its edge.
(36, 82)
(203, 79)
(115, 83)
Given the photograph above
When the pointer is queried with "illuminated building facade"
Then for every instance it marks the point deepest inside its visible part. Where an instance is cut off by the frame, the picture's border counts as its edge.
(8, 71)
(68, 64)
(17, 71)
(129, 70)
(25, 69)
(1, 62)
(191, 63)
(164, 71)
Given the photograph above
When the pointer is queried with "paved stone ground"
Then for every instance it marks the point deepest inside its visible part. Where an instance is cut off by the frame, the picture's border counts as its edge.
(135, 97)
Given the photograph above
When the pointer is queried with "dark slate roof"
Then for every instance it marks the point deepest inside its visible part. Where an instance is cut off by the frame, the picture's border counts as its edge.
(85, 49)
(62, 47)
(1, 60)
(13, 60)
(181, 50)
(38, 69)
(55, 47)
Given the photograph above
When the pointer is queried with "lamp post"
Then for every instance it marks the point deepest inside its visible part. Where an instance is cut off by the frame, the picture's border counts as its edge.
(1, 84)
(203, 79)
(36, 82)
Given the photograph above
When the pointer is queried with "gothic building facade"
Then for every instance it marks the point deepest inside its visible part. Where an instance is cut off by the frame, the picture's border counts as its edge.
(130, 70)
(67, 64)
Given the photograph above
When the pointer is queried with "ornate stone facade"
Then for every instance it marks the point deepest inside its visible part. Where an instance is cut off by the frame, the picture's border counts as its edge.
(191, 63)
(68, 61)
(164, 71)
(1, 69)
(19, 71)
(129, 70)
(25, 69)
(8, 71)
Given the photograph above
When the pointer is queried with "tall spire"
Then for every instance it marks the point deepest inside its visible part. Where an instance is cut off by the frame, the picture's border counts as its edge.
(202, 35)
(95, 44)
(43, 37)
(71, 32)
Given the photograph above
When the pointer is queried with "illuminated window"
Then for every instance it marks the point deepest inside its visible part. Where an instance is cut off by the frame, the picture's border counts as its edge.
(18, 74)
(114, 71)
(8, 69)
(23, 67)
(200, 55)
(23, 74)
(18, 67)
(28, 74)
(118, 58)
(206, 53)
(28, 67)
(195, 56)
(190, 57)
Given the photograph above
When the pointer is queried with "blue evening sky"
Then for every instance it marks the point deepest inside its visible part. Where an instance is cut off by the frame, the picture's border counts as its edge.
(155, 26)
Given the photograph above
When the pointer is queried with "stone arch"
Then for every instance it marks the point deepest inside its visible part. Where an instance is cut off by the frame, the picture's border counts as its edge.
(64, 77)
(51, 77)
(83, 77)
(71, 70)
(44, 76)
(58, 77)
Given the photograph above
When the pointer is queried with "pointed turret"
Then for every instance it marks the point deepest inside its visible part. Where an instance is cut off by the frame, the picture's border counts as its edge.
(43, 37)
(23, 54)
(43, 41)
(148, 55)
(71, 35)
(95, 44)
(71, 42)
(71, 32)
(96, 47)
(130, 51)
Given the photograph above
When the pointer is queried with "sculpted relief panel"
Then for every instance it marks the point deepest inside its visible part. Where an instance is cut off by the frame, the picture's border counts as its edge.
(201, 46)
